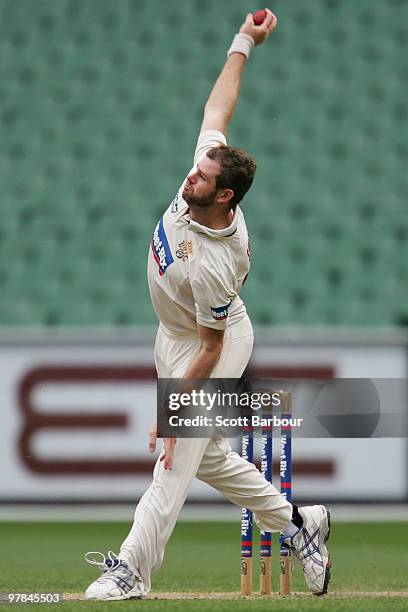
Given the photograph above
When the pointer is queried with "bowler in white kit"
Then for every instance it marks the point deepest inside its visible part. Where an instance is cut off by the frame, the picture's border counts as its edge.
(198, 262)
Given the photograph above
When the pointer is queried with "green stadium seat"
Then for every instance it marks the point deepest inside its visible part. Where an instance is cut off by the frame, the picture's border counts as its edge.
(99, 119)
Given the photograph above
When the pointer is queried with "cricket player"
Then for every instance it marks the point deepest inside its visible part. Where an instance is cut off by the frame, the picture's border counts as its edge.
(198, 261)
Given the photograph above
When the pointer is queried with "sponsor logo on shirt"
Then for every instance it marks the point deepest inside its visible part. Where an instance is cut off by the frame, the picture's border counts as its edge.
(161, 249)
(184, 250)
(174, 203)
(221, 312)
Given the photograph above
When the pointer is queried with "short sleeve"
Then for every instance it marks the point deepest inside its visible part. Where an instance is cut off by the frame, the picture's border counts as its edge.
(207, 140)
(213, 292)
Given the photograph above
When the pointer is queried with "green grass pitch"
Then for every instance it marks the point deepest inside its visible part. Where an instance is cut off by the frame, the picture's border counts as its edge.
(203, 557)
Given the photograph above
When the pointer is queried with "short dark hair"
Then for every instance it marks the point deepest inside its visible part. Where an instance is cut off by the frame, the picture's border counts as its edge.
(237, 170)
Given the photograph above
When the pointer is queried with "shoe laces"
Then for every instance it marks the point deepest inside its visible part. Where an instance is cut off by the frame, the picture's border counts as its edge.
(112, 567)
(107, 564)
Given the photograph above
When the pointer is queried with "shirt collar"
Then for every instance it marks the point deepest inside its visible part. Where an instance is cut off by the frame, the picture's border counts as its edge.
(213, 233)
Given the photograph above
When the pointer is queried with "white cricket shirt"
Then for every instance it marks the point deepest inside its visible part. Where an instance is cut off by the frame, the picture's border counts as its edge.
(196, 273)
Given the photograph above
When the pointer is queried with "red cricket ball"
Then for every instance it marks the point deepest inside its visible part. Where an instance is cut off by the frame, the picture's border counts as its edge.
(259, 17)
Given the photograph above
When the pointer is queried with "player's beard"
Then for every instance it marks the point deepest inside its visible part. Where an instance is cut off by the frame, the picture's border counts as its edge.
(200, 202)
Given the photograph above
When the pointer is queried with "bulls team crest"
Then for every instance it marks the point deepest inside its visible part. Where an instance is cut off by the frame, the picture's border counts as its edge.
(161, 248)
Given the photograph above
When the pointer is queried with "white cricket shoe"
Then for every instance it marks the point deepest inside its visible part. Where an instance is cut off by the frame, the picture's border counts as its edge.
(309, 546)
(117, 580)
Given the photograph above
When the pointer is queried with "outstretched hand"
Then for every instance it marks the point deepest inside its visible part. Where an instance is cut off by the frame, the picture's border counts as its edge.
(261, 32)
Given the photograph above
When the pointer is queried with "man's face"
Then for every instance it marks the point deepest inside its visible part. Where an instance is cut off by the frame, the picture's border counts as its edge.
(200, 186)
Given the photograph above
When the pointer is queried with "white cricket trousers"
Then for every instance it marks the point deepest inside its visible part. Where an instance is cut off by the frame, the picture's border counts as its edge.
(210, 460)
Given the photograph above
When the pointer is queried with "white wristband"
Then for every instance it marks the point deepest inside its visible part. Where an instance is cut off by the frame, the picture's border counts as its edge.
(242, 43)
